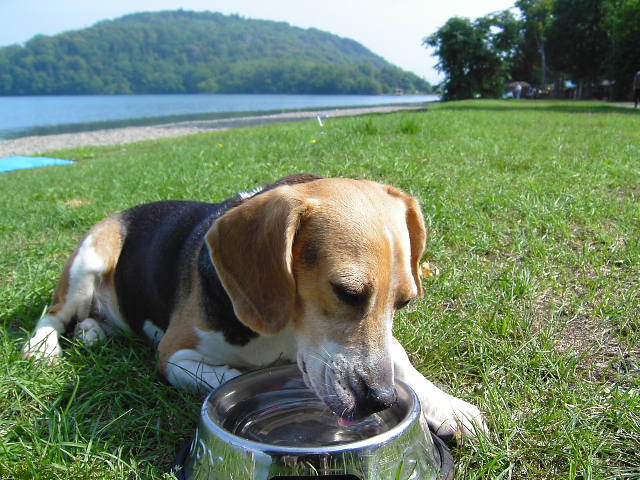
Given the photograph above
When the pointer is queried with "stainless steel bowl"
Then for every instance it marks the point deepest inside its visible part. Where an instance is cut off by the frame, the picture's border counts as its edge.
(267, 425)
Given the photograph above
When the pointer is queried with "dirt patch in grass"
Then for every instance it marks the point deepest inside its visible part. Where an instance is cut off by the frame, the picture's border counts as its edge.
(76, 202)
(591, 340)
(600, 354)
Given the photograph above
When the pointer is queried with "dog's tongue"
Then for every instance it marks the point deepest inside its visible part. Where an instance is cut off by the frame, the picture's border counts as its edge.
(343, 422)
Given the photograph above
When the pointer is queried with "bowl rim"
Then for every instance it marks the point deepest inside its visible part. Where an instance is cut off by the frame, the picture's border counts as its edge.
(374, 441)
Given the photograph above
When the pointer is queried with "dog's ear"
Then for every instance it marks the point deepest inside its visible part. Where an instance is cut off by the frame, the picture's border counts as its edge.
(417, 233)
(251, 248)
(418, 238)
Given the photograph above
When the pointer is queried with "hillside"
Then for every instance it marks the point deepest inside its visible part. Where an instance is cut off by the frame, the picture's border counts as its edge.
(189, 52)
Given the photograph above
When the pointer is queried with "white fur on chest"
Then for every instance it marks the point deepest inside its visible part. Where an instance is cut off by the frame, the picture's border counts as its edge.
(259, 352)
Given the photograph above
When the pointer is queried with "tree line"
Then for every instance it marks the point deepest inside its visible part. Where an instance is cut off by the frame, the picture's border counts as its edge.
(593, 44)
(197, 52)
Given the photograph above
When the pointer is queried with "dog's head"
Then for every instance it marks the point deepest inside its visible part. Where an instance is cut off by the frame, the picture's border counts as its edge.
(334, 259)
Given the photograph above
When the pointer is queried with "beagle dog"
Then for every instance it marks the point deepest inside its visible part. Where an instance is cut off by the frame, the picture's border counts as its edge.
(308, 270)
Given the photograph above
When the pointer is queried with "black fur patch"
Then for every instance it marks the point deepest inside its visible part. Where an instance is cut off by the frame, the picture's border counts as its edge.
(154, 258)
(163, 242)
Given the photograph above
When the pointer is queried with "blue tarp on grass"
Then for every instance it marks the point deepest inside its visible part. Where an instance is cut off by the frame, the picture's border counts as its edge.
(18, 162)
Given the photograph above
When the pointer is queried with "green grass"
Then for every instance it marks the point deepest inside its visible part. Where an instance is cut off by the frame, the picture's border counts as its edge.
(534, 217)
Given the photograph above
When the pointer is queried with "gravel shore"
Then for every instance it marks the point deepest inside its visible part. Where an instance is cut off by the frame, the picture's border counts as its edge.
(118, 136)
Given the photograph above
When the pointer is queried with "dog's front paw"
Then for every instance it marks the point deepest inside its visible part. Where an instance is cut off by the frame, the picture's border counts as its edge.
(455, 419)
(89, 332)
(43, 345)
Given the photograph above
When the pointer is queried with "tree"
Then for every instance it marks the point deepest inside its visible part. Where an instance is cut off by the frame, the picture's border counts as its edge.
(622, 18)
(505, 36)
(587, 41)
(578, 42)
(475, 56)
(536, 22)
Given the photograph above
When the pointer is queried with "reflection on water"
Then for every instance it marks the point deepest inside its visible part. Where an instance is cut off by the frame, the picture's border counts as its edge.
(298, 418)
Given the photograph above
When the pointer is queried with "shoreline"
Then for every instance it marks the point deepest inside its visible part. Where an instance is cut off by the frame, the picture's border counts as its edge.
(124, 135)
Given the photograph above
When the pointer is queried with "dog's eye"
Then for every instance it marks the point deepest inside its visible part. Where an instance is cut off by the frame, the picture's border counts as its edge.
(349, 295)
(401, 304)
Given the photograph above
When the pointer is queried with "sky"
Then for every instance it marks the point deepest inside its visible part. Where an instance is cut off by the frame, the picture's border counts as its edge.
(393, 29)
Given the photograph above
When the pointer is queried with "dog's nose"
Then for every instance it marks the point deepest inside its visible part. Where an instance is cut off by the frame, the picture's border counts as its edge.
(379, 398)
(371, 394)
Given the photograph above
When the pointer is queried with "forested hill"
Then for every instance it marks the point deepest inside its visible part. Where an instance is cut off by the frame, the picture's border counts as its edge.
(189, 52)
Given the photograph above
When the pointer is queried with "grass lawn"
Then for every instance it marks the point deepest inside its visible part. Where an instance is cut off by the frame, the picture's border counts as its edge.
(534, 217)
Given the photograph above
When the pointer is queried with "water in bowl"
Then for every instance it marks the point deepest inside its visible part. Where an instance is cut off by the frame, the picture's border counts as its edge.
(296, 417)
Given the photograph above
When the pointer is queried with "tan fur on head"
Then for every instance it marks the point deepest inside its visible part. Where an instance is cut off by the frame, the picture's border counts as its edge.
(251, 248)
(252, 245)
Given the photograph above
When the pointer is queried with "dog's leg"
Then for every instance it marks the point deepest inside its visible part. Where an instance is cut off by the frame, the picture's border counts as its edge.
(446, 416)
(189, 370)
(74, 297)
(44, 344)
(72, 300)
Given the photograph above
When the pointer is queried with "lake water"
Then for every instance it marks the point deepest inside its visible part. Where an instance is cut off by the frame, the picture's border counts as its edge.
(22, 116)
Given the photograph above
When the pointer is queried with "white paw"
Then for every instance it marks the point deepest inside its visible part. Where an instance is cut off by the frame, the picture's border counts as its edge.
(213, 377)
(455, 418)
(89, 332)
(200, 382)
(229, 374)
(43, 345)
(184, 371)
